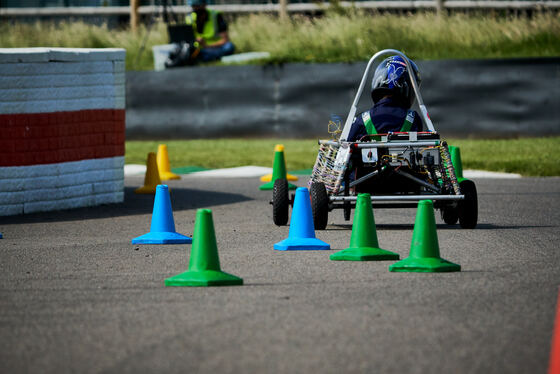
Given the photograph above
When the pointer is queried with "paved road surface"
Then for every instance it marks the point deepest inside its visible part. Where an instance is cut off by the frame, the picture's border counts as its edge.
(76, 296)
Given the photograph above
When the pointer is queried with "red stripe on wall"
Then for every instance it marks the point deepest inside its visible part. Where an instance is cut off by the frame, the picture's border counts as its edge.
(554, 363)
(46, 138)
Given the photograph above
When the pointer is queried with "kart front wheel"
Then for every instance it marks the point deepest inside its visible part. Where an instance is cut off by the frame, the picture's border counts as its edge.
(468, 208)
(319, 205)
(450, 214)
(280, 202)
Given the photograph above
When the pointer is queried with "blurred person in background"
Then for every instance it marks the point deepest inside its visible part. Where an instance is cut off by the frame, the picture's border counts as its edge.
(210, 30)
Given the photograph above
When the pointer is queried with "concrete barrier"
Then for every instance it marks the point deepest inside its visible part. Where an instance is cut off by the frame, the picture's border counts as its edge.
(506, 98)
(62, 124)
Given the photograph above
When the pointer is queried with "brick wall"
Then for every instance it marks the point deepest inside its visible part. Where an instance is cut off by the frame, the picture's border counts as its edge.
(62, 128)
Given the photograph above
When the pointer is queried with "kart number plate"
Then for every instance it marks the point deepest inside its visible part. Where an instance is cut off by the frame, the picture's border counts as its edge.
(369, 155)
(341, 159)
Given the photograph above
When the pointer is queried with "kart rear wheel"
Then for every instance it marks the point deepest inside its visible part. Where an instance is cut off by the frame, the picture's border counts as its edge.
(319, 205)
(450, 214)
(280, 202)
(468, 208)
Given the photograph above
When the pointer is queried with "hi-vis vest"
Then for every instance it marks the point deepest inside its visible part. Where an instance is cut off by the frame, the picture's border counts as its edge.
(370, 128)
(210, 29)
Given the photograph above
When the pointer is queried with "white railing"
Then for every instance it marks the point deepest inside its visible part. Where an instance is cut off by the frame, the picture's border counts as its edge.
(292, 8)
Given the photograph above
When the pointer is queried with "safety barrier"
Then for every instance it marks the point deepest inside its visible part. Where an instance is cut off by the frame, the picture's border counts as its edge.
(62, 124)
(498, 98)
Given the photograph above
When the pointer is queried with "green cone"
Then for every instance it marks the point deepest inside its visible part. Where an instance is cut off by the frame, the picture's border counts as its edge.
(278, 169)
(363, 242)
(204, 266)
(424, 249)
(455, 153)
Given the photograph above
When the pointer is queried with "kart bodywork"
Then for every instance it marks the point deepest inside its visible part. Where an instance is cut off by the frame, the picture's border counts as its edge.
(397, 169)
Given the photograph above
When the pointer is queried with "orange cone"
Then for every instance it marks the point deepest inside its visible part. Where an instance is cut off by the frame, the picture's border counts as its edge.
(163, 164)
(151, 179)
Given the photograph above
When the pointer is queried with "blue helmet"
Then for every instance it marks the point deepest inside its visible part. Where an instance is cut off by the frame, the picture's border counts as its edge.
(391, 78)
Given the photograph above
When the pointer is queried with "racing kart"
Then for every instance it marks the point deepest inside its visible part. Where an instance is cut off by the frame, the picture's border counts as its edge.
(397, 169)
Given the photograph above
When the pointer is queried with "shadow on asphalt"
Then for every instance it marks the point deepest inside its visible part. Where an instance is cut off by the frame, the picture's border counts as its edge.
(181, 199)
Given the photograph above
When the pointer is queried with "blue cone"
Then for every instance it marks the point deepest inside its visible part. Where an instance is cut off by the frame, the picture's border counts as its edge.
(302, 231)
(162, 230)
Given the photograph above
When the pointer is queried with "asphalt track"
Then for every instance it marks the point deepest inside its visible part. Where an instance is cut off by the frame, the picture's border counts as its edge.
(76, 296)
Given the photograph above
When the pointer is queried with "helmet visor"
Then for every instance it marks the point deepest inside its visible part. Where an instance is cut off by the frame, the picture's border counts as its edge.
(391, 74)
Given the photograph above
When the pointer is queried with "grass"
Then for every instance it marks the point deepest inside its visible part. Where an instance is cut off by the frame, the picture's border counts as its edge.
(356, 36)
(225, 153)
(348, 36)
(525, 156)
(82, 35)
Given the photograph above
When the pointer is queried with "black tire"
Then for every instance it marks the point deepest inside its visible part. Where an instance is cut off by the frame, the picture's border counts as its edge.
(319, 205)
(280, 202)
(347, 208)
(450, 214)
(468, 208)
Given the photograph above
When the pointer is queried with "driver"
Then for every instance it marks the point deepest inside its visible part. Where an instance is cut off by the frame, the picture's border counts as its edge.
(211, 31)
(392, 95)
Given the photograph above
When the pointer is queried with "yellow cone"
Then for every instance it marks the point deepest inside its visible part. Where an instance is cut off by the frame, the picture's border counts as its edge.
(151, 180)
(268, 177)
(163, 164)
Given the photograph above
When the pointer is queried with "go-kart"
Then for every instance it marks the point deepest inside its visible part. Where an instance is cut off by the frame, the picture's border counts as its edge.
(397, 169)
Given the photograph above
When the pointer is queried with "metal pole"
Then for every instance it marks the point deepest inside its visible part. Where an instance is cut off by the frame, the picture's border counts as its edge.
(439, 7)
(134, 18)
(283, 11)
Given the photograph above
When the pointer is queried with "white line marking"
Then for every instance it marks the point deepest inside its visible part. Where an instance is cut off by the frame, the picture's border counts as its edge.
(258, 171)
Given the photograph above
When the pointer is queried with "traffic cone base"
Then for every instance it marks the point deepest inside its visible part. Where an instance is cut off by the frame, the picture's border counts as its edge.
(204, 278)
(167, 175)
(268, 177)
(301, 244)
(364, 254)
(302, 231)
(162, 229)
(278, 169)
(424, 265)
(162, 238)
(364, 245)
(270, 186)
(204, 264)
(146, 190)
(424, 250)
